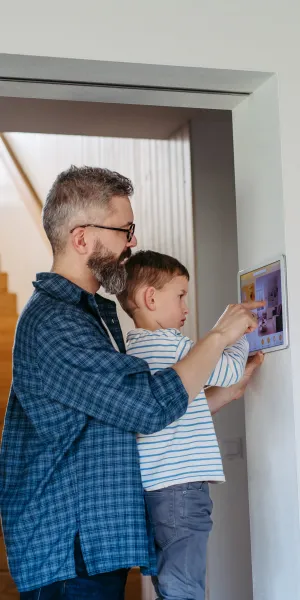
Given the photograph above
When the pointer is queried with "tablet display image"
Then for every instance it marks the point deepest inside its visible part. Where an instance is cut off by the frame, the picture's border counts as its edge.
(267, 283)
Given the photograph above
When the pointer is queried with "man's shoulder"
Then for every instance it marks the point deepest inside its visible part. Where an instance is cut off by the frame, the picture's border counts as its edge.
(43, 310)
(36, 309)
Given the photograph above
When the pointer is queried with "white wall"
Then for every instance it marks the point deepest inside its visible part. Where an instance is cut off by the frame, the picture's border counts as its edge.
(271, 447)
(229, 557)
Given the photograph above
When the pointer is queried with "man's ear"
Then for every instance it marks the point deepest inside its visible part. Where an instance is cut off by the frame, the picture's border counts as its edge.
(78, 240)
(150, 298)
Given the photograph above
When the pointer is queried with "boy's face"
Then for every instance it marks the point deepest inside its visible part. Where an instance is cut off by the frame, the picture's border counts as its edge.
(170, 303)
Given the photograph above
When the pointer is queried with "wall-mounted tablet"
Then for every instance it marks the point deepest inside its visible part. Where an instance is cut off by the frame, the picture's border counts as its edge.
(267, 282)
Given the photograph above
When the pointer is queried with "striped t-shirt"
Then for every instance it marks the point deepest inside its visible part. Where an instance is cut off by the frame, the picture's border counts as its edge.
(187, 450)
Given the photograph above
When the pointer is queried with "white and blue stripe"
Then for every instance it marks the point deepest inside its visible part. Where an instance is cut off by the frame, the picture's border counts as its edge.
(187, 450)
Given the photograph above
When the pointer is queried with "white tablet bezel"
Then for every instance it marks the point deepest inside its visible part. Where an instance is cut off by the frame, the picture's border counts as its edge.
(280, 258)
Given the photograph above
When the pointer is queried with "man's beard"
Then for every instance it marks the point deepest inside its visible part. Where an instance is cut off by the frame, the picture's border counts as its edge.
(107, 269)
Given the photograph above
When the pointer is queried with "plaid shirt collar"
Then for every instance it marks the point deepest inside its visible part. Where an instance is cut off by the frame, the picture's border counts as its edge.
(65, 290)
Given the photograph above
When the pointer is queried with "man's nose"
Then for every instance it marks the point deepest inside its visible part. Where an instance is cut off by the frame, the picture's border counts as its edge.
(132, 243)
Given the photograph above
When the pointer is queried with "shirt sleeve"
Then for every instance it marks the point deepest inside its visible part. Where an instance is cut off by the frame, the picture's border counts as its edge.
(184, 346)
(230, 367)
(79, 368)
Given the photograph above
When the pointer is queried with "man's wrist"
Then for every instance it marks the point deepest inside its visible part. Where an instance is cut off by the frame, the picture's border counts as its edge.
(217, 337)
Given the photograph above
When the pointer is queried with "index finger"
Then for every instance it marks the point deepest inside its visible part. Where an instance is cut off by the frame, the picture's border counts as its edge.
(253, 305)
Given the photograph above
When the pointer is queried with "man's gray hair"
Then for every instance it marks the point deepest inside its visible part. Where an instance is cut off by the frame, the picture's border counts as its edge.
(76, 190)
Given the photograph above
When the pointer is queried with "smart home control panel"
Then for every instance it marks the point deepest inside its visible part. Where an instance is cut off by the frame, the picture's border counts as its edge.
(267, 282)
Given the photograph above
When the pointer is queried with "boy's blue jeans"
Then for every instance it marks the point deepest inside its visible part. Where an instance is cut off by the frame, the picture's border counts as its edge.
(181, 519)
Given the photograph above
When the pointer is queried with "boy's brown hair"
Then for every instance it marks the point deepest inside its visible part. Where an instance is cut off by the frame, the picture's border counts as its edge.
(149, 268)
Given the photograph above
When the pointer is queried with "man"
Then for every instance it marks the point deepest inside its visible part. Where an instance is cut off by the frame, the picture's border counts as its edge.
(72, 499)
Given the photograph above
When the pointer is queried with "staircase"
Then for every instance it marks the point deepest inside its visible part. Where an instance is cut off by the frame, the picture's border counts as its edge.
(8, 320)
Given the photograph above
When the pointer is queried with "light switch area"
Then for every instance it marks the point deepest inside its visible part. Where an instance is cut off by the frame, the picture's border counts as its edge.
(232, 448)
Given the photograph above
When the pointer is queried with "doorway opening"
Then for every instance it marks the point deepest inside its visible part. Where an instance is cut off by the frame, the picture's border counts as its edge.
(187, 123)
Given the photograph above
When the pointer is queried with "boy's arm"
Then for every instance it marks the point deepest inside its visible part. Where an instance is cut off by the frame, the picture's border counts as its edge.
(194, 368)
(218, 397)
(231, 366)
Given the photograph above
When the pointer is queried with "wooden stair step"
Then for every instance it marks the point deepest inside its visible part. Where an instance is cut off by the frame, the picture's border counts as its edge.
(5, 353)
(3, 409)
(7, 324)
(4, 391)
(134, 585)
(3, 560)
(6, 348)
(5, 377)
(3, 282)
(7, 341)
(2, 417)
(5, 386)
(8, 304)
(5, 366)
(8, 590)
(3, 404)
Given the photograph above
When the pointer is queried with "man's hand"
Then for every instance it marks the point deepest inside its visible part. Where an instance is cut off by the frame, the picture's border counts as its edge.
(218, 397)
(237, 320)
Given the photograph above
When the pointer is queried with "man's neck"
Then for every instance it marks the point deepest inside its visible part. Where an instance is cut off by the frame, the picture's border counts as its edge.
(83, 278)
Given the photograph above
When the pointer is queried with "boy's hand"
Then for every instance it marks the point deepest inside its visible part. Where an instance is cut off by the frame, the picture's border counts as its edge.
(237, 320)
(219, 397)
(238, 390)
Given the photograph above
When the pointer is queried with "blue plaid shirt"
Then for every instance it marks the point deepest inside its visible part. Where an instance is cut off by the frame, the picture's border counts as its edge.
(69, 459)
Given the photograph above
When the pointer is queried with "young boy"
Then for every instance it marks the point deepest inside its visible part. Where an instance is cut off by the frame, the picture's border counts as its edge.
(178, 462)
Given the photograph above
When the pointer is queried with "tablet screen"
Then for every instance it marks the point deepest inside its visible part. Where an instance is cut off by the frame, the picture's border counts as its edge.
(266, 283)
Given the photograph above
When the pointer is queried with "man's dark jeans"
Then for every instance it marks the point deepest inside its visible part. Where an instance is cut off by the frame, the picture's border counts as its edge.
(105, 586)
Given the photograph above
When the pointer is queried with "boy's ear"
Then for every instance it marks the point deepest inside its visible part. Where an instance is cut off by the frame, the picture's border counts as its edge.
(149, 298)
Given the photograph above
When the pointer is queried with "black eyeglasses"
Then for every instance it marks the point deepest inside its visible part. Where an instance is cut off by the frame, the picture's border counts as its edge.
(130, 231)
